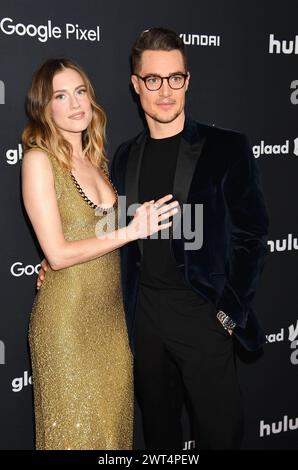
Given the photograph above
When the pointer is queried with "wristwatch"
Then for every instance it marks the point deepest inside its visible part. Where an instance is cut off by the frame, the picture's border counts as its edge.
(225, 320)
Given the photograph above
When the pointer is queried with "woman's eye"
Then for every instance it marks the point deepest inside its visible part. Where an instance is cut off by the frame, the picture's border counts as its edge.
(60, 97)
(82, 91)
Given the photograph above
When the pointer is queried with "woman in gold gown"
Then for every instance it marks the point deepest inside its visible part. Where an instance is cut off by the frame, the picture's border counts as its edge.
(81, 360)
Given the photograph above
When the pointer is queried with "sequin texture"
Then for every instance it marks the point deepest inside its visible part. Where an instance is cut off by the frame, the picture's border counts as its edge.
(81, 361)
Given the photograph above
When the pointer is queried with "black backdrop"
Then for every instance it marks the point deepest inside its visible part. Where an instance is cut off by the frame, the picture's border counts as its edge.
(243, 62)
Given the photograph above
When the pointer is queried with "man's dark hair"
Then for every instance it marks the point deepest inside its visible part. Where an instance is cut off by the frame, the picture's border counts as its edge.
(155, 39)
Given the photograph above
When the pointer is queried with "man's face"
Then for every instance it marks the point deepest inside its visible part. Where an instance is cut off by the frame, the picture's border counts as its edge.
(163, 105)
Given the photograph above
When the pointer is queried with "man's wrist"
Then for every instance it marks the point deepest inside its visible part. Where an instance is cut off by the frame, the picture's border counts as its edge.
(225, 320)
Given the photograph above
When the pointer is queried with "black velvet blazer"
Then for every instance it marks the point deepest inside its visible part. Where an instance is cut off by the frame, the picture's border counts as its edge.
(215, 168)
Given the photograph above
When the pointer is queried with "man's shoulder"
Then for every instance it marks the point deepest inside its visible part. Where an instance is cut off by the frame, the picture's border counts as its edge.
(218, 133)
(125, 146)
(229, 142)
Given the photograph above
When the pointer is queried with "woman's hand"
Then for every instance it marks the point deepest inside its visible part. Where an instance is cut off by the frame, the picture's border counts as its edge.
(41, 273)
(148, 217)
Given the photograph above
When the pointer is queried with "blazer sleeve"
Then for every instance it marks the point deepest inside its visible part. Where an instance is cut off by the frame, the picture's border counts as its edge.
(118, 164)
(249, 231)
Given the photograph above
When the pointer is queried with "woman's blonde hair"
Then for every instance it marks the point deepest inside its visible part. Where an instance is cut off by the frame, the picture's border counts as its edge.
(41, 131)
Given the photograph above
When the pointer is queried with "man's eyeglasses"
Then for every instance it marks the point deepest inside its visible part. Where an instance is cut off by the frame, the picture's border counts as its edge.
(154, 82)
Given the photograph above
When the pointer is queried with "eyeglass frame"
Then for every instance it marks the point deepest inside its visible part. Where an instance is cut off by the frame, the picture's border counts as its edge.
(184, 75)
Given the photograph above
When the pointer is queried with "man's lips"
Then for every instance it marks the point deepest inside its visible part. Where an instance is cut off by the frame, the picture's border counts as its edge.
(77, 116)
(166, 104)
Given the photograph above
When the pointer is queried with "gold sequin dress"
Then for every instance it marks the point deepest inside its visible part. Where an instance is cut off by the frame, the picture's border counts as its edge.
(81, 360)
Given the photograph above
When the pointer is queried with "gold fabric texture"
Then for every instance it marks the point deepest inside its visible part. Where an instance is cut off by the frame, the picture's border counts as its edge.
(81, 360)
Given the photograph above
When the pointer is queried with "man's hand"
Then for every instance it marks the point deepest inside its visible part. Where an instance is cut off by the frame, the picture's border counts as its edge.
(41, 273)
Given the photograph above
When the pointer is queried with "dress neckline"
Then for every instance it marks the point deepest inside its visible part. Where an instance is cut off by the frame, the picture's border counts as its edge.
(101, 210)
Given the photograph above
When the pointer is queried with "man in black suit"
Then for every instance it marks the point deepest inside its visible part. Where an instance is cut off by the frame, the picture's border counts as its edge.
(186, 300)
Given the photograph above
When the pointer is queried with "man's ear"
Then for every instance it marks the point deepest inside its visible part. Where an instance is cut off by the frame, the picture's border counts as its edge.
(187, 81)
(135, 83)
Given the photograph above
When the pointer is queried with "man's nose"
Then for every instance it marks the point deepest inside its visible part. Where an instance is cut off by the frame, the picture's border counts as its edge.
(165, 89)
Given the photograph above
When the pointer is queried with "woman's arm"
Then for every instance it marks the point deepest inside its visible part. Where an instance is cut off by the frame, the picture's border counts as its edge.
(41, 205)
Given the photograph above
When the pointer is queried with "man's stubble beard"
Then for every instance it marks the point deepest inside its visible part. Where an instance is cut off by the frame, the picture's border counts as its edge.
(166, 120)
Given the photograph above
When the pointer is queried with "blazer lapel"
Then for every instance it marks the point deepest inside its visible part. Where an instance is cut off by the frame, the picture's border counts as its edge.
(133, 174)
(190, 151)
(188, 157)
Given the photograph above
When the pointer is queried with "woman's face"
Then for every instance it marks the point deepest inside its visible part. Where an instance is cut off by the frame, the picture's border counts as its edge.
(70, 105)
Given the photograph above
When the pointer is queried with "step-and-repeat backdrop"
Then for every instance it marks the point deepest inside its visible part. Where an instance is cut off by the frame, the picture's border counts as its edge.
(243, 60)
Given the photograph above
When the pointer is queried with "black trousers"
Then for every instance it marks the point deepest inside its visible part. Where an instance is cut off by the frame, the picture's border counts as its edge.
(183, 352)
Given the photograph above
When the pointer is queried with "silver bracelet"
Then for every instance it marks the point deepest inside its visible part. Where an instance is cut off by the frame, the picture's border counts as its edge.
(225, 320)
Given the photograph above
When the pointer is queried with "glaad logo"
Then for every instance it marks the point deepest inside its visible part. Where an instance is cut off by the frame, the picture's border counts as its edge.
(13, 156)
(200, 39)
(20, 382)
(48, 31)
(2, 92)
(276, 337)
(292, 337)
(284, 425)
(2, 353)
(286, 47)
(286, 244)
(18, 270)
(294, 94)
(280, 336)
(265, 149)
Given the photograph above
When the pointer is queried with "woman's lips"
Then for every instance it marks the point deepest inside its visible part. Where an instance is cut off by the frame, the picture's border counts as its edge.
(77, 116)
